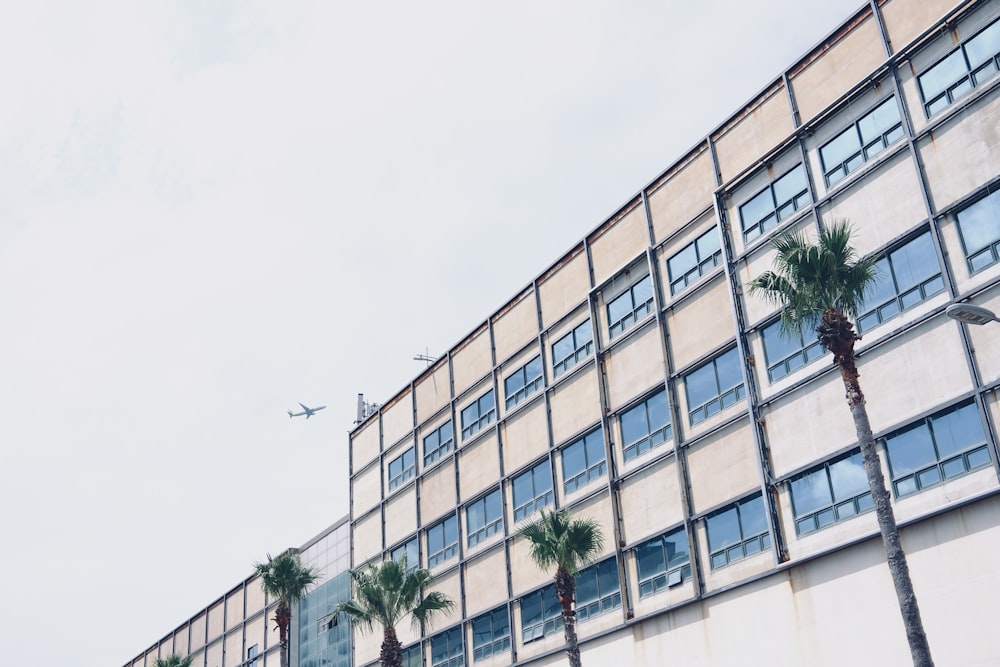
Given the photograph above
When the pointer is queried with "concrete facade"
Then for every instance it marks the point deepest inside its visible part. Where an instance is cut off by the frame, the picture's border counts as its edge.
(635, 382)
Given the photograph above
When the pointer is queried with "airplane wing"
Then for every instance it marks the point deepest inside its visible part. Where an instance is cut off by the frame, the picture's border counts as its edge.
(304, 407)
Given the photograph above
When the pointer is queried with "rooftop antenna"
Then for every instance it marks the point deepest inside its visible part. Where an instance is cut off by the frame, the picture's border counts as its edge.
(426, 356)
(365, 409)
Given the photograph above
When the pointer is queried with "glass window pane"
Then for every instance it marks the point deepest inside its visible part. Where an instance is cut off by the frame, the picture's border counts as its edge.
(757, 209)
(910, 450)
(778, 344)
(594, 443)
(984, 46)
(619, 307)
(752, 517)
(728, 365)
(633, 424)
(958, 430)
(789, 185)
(723, 529)
(843, 146)
(676, 545)
(936, 80)
(658, 410)
(708, 244)
(573, 459)
(701, 385)
(642, 291)
(810, 492)
(848, 477)
(914, 262)
(682, 262)
(882, 288)
(650, 559)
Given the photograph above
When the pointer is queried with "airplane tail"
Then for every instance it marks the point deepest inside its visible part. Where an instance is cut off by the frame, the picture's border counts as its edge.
(290, 415)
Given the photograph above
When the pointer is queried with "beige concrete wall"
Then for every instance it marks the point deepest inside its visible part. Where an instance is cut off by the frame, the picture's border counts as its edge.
(723, 467)
(619, 243)
(450, 584)
(516, 326)
(837, 68)
(397, 419)
(698, 326)
(651, 499)
(437, 493)
(401, 515)
(633, 367)
(906, 19)
(880, 209)
(525, 436)
(216, 619)
(928, 379)
(366, 538)
(472, 361)
(365, 444)
(809, 425)
(685, 193)
(564, 287)
(484, 578)
(478, 466)
(256, 631)
(367, 645)
(198, 631)
(433, 392)
(233, 655)
(234, 607)
(574, 404)
(367, 489)
(255, 597)
(524, 574)
(964, 153)
(766, 123)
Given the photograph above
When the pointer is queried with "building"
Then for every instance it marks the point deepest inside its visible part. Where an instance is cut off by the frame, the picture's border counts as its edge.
(237, 629)
(635, 382)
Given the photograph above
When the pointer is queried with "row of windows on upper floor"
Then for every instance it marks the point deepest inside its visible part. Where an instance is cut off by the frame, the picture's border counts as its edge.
(928, 452)
(908, 275)
(967, 67)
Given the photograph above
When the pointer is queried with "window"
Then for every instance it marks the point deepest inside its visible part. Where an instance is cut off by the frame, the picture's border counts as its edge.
(446, 649)
(646, 425)
(906, 276)
(630, 306)
(541, 614)
(411, 656)
(328, 622)
(777, 201)
(663, 562)
(787, 352)
(737, 532)
(571, 348)
(533, 490)
(490, 634)
(598, 590)
(401, 468)
(583, 461)
(833, 492)
(944, 446)
(694, 260)
(252, 654)
(979, 226)
(713, 386)
(524, 382)
(876, 131)
(442, 541)
(478, 414)
(965, 68)
(484, 517)
(438, 443)
(410, 551)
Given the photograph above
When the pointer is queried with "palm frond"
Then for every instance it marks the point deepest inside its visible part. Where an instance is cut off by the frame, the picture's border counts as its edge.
(558, 539)
(284, 578)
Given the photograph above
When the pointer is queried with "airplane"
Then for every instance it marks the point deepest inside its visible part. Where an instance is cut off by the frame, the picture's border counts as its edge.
(308, 412)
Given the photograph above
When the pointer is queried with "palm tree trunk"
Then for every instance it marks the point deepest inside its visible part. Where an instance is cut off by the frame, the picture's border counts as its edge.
(920, 651)
(565, 591)
(392, 650)
(283, 618)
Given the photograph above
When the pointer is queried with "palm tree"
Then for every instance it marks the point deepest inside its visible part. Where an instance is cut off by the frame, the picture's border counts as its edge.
(285, 579)
(827, 282)
(173, 660)
(558, 539)
(385, 594)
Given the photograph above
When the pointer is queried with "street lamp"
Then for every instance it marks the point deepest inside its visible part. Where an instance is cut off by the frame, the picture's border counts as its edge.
(966, 312)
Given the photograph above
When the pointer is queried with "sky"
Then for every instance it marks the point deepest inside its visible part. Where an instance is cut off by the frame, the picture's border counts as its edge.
(211, 211)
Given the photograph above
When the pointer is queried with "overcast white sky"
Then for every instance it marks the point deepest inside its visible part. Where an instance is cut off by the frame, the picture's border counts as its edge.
(211, 210)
